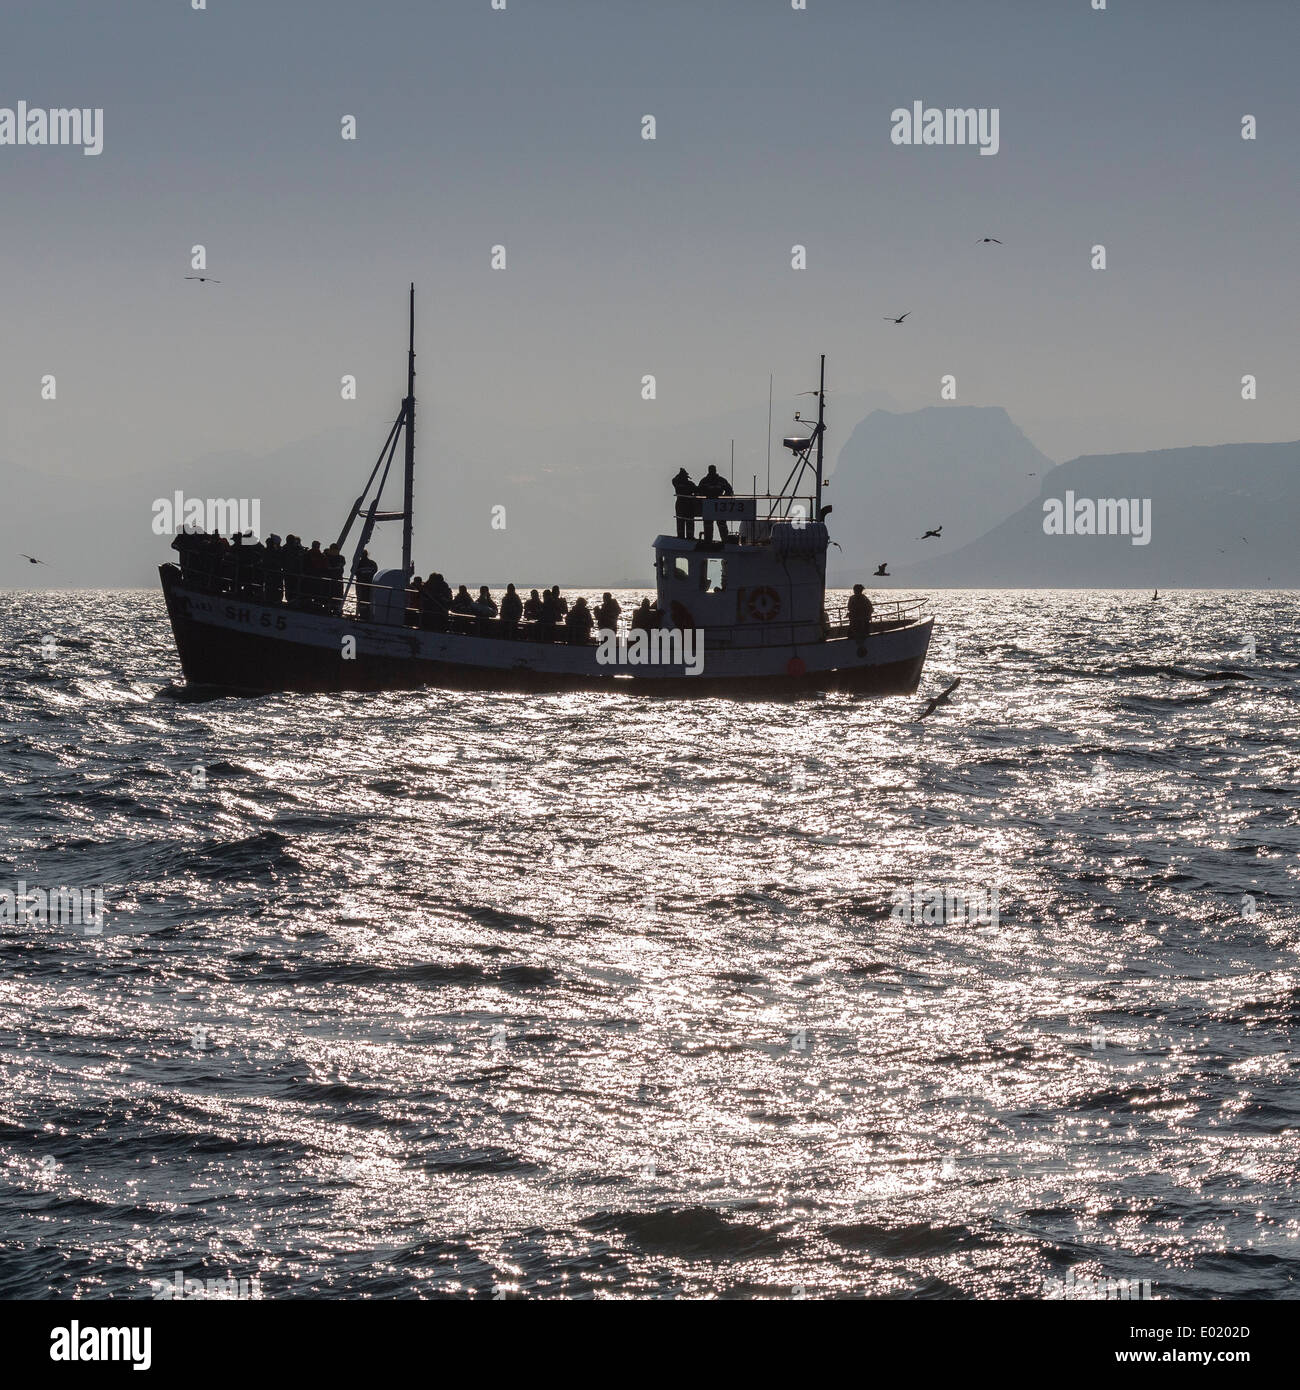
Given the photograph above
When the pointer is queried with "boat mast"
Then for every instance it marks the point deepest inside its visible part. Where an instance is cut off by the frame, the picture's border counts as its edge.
(409, 408)
(821, 430)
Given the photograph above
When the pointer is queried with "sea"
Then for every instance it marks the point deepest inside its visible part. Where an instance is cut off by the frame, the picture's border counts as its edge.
(446, 995)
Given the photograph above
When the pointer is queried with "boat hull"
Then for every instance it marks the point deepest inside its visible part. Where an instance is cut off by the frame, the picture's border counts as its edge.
(240, 645)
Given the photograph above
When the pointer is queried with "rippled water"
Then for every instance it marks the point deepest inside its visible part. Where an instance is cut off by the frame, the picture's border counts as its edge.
(433, 994)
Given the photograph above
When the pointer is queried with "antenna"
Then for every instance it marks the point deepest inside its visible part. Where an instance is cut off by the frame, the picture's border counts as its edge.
(821, 430)
(733, 463)
(769, 436)
(409, 489)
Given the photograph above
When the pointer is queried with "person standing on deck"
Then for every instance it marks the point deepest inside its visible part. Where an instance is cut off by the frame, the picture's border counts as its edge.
(291, 563)
(512, 609)
(273, 570)
(714, 485)
(579, 623)
(334, 566)
(313, 576)
(608, 612)
(485, 609)
(687, 506)
(550, 614)
(364, 572)
(859, 613)
(435, 603)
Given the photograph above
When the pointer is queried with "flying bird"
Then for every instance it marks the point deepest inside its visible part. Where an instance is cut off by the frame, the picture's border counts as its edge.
(934, 533)
(203, 279)
(940, 699)
(983, 239)
(31, 559)
(883, 569)
(900, 318)
(1031, 475)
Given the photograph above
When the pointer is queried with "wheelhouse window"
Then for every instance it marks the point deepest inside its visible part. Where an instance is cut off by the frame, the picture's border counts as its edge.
(681, 567)
(713, 575)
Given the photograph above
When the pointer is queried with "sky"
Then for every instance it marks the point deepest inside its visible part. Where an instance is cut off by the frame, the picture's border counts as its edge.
(626, 257)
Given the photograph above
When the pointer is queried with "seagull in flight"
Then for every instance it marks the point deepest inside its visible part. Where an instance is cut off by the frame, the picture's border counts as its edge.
(883, 570)
(202, 279)
(940, 699)
(31, 559)
(934, 533)
(901, 317)
(984, 239)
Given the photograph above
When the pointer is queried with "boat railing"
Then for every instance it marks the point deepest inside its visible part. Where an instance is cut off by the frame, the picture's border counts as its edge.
(886, 614)
(357, 600)
(750, 516)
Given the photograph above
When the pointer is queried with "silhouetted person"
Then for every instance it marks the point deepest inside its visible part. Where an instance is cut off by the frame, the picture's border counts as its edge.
(232, 563)
(220, 563)
(364, 571)
(291, 562)
(313, 576)
(485, 609)
(273, 570)
(550, 614)
(687, 506)
(578, 623)
(642, 618)
(462, 603)
(714, 485)
(512, 610)
(561, 603)
(187, 545)
(859, 613)
(435, 603)
(334, 567)
(607, 613)
(254, 567)
(533, 608)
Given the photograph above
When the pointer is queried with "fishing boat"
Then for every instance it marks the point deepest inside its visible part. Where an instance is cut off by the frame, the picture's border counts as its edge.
(741, 615)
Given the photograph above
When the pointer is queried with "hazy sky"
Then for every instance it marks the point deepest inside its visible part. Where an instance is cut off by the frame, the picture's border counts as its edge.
(626, 256)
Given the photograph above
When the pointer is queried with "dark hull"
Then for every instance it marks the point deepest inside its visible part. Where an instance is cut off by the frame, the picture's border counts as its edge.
(238, 661)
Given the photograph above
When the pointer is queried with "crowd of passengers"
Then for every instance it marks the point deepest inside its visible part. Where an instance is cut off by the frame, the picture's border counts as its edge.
(304, 576)
(311, 579)
(544, 616)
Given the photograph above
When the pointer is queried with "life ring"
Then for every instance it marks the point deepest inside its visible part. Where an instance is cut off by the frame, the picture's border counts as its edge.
(764, 604)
